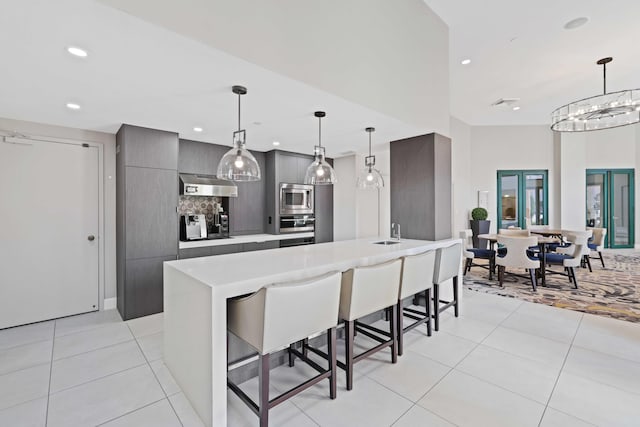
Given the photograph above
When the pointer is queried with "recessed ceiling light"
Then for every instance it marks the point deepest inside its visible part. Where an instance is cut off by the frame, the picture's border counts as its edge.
(576, 23)
(465, 61)
(73, 106)
(76, 51)
(276, 143)
(516, 108)
(197, 129)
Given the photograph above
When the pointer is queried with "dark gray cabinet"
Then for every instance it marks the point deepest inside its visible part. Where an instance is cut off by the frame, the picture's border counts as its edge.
(324, 213)
(246, 212)
(421, 186)
(260, 246)
(200, 158)
(146, 217)
(194, 252)
(226, 249)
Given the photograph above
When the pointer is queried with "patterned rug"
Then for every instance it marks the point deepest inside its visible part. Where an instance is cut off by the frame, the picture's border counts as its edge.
(613, 291)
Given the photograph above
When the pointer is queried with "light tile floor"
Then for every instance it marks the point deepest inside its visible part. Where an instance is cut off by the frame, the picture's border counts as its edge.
(504, 362)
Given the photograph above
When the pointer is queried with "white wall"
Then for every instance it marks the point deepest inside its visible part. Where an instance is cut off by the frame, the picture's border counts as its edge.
(344, 199)
(463, 193)
(496, 148)
(109, 145)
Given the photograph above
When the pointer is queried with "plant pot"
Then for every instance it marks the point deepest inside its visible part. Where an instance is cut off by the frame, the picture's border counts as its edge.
(479, 226)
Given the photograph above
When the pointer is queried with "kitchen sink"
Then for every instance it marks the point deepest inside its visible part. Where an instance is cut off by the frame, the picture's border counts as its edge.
(387, 242)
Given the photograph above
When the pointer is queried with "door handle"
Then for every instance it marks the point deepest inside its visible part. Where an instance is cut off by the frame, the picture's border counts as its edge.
(91, 238)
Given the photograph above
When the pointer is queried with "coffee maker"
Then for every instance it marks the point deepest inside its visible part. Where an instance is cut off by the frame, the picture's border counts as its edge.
(193, 227)
(219, 227)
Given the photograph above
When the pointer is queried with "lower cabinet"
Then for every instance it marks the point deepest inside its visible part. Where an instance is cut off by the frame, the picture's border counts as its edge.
(260, 246)
(143, 293)
(227, 249)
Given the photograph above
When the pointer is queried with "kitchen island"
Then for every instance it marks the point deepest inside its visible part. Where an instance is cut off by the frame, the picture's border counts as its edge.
(195, 304)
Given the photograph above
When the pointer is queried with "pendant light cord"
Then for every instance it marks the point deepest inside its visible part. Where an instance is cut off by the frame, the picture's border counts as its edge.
(239, 98)
(369, 144)
(604, 77)
(319, 131)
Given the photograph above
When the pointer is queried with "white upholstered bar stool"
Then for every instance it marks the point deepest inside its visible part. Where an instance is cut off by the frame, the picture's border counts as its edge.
(278, 315)
(417, 277)
(447, 267)
(366, 290)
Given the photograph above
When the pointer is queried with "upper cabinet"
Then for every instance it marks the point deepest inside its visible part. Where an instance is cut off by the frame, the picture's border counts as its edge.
(148, 148)
(200, 158)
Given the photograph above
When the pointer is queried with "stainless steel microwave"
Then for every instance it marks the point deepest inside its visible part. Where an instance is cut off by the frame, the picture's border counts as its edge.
(296, 199)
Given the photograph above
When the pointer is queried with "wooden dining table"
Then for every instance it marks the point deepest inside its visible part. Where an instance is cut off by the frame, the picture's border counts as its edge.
(543, 241)
(548, 232)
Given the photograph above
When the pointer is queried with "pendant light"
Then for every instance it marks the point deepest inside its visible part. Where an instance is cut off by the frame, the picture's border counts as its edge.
(320, 172)
(370, 177)
(238, 164)
(605, 111)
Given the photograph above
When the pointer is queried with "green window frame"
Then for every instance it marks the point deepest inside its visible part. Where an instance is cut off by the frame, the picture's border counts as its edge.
(521, 194)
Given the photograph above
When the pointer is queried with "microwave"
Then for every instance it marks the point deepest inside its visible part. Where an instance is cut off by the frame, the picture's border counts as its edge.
(296, 199)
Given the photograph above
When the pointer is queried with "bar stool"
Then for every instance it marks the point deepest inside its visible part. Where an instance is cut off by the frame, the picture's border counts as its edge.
(447, 267)
(366, 290)
(278, 315)
(417, 277)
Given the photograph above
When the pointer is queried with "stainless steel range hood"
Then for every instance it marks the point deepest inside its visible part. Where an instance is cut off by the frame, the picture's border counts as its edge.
(204, 185)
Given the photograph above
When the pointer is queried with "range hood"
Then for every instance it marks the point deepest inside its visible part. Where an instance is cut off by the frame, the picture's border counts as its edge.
(204, 185)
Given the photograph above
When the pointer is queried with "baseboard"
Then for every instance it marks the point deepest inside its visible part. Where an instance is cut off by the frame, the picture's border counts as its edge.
(110, 303)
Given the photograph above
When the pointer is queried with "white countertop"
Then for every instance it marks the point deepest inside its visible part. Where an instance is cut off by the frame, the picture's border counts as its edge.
(239, 273)
(249, 238)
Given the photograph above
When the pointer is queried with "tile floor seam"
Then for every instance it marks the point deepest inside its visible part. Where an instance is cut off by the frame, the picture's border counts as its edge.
(96, 379)
(24, 344)
(25, 368)
(130, 412)
(535, 335)
(572, 416)
(555, 384)
(606, 354)
(90, 351)
(602, 383)
(53, 344)
(93, 328)
(156, 377)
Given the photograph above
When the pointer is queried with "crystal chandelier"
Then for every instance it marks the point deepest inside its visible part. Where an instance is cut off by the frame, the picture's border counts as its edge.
(370, 177)
(238, 164)
(320, 172)
(598, 112)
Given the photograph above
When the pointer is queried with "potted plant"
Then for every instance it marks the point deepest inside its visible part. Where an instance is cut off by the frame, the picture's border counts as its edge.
(479, 225)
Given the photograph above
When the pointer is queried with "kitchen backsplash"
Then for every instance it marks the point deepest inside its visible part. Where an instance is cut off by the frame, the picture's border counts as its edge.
(199, 205)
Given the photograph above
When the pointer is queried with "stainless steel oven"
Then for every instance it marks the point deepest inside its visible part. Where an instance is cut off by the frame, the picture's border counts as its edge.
(296, 199)
(297, 223)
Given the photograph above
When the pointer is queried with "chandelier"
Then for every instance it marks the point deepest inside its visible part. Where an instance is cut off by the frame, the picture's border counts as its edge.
(605, 111)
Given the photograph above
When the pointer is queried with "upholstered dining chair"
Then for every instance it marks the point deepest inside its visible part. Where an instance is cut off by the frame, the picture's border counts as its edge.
(311, 306)
(514, 232)
(586, 252)
(470, 254)
(417, 277)
(571, 258)
(517, 255)
(597, 243)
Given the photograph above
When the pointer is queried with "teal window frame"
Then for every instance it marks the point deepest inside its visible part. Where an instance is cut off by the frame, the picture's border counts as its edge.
(521, 173)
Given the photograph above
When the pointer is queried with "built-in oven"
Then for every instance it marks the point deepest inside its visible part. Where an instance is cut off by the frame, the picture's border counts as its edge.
(296, 199)
(297, 223)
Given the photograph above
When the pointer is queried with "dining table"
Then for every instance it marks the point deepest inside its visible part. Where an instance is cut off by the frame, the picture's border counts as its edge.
(547, 232)
(543, 242)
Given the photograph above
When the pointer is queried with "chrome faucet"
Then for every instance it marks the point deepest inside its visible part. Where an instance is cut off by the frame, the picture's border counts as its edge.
(395, 230)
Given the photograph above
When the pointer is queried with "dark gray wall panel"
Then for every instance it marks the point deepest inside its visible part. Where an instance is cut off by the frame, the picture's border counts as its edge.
(151, 217)
(247, 211)
(143, 293)
(150, 148)
(200, 157)
(120, 221)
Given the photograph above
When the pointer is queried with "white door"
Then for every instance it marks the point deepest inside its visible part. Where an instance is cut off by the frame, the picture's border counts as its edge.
(49, 227)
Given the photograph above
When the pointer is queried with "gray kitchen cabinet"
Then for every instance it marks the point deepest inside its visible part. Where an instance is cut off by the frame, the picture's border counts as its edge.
(200, 158)
(261, 246)
(246, 212)
(323, 202)
(287, 167)
(420, 169)
(149, 148)
(151, 196)
(303, 164)
(227, 249)
(194, 252)
(146, 217)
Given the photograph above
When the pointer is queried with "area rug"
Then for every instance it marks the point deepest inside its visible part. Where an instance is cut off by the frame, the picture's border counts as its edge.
(613, 291)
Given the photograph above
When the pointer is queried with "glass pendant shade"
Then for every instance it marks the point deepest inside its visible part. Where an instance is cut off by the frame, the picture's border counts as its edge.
(320, 172)
(238, 164)
(370, 177)
(598, 112)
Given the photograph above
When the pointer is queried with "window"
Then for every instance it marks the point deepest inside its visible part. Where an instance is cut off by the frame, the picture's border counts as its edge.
(522, 198)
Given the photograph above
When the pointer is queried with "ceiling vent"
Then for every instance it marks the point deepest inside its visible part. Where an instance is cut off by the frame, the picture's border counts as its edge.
(505, 102)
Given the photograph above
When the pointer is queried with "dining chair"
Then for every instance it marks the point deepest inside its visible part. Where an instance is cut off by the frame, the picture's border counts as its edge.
(597, 243)
(416, 278)
(517, 255)
(571, 259)
(470, 254)
(586, 251)
(278, 315)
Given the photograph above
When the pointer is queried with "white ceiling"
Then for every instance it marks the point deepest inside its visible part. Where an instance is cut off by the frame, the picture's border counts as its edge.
(519, 49)
(142, 74)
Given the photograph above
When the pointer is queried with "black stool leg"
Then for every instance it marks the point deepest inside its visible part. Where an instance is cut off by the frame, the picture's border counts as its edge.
(331, 351)
(292, 357)
(348, 345)
(436, 306)
(263, 390)
(588, 260)
(399, 328)
(455, 296)
(601, 258)
(427, 298)
(532, 274)
(393, 330)
(573, 274)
